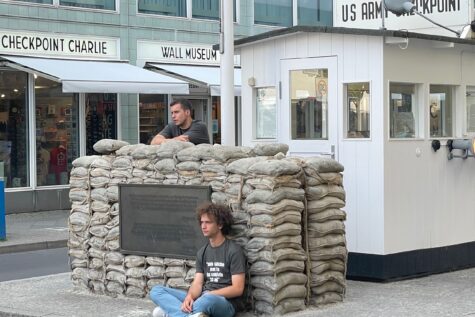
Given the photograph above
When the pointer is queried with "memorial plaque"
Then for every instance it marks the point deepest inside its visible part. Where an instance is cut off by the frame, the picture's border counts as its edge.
(160, 220)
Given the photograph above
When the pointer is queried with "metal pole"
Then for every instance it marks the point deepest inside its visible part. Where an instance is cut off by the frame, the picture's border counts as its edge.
(3, 231)
(227, 74)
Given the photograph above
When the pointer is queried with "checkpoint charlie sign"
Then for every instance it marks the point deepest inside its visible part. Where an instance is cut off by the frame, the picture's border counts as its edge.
(58, 45)
(368, 14)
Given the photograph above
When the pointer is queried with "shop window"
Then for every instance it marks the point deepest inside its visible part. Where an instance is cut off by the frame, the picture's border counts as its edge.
(403, 110)
(266, 113)
(175, 8)
(273, 12)
(470, 102)
(206, 9)
(92, 4)
(37, 1)
(57, 132)
(216, 119)
(14, 128)
(315, 13)
(101, 119)
(153, 116)
(357, 110)
(440, 110)
(309, 104)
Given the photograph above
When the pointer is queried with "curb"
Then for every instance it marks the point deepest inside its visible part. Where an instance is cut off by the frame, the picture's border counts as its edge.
(33, 247)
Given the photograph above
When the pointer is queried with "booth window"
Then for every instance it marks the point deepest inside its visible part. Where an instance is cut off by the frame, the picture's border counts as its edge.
(37, 1)
(309, 104)
(101, 119)
(315, 13)
(92, 4)
(57, 132)
(206, 9)
(440, 110)
(14, 128)
(266, 113)
(153, 116)
(175, 8)
(470, 101)
(273, 12)
(403, 110)
(358, 110)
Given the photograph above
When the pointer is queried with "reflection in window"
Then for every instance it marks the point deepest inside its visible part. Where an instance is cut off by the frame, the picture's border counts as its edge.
(309, 103)
(273, 12)
(440, 110)
(37, 1)
(266, 119)
(206, 9)
(216, 119)
(101, 119)
(315, 13)
(93, 4)
(403, 110)
(470, 109)
(175, 8)
(153, 116)
(57, 132)
(13, 128)
(357, 107)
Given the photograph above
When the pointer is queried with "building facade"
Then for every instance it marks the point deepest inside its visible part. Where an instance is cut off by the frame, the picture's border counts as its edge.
(48, 49)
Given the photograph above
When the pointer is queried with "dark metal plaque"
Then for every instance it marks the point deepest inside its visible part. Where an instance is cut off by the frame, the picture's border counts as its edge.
(160, 220)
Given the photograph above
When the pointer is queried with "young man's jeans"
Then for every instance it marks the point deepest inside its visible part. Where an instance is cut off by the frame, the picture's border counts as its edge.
(170, 301)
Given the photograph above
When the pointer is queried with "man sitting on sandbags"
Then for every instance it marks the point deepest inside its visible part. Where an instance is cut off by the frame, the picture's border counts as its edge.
(220, 273)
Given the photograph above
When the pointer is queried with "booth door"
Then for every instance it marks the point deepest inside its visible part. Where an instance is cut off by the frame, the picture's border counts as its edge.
(309, 106)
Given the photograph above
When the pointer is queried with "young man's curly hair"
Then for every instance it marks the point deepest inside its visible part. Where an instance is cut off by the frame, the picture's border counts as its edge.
(220, 213)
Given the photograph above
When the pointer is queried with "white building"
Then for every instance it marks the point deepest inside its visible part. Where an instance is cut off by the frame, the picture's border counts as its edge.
(376, 101)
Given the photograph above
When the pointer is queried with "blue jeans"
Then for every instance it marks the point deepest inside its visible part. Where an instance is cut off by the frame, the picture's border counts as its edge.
(170, 300)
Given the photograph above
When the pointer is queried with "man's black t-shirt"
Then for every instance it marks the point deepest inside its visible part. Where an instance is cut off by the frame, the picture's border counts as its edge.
(197, 132)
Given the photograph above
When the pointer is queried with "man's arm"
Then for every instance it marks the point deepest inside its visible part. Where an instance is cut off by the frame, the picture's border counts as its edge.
(198, 133)
(158, 139)
(193, 293)
(235, 289)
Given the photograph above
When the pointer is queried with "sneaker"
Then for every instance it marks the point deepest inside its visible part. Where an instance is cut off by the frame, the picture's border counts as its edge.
(158, 312)
(198, 315)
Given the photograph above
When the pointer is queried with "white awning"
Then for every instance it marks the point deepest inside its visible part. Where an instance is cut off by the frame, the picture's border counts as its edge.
(199, 75)
(99, 76)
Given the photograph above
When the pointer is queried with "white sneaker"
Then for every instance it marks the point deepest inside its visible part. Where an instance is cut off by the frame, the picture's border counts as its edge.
(158, 312)
(198, 315)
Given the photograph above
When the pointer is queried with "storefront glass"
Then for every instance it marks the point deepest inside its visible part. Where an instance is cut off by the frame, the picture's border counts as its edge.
(216, 119)
(37, 1)
(275, 12)
(403, 110)
(153, 116)
(315, 13)
(93, 4)
(206, 9)
(101, 119)
(14, 128)
(57, 132)
(175, 8)
(471, 109)
(440, 110)
(266, 114)
(357, 110)
(309, 104)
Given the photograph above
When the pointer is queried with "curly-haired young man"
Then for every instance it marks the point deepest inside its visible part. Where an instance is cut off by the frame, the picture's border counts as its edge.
(220, 272)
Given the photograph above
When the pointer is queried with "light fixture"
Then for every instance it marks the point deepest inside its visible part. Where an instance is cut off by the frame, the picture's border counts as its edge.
(467, 146)
(36, 76)
(2, 95)
(15, 90)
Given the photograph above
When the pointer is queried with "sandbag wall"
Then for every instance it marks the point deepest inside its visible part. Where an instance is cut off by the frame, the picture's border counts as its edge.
(287, 211)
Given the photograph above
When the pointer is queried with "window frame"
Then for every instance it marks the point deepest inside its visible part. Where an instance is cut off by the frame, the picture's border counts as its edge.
(427, 114)
(346, 114)
(465, 112)
(420, 102)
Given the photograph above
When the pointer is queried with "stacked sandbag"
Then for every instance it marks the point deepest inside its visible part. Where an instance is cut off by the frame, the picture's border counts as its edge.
(326, 229)
(135, 272)
(275, 252)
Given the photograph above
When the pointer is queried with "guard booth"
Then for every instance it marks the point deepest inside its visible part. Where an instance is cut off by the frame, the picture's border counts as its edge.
(376, 101)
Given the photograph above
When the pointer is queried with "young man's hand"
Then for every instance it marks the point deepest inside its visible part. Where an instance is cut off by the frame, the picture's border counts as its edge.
(187, 305)
(182, 137)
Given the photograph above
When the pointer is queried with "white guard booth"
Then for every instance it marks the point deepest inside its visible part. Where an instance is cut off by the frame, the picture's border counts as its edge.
(381, 103)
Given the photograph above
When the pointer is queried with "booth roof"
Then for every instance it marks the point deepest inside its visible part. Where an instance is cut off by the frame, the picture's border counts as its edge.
(339, 30)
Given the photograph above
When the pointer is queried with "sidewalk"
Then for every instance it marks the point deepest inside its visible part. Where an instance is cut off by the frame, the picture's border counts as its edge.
(449, 294)
(35, 231)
